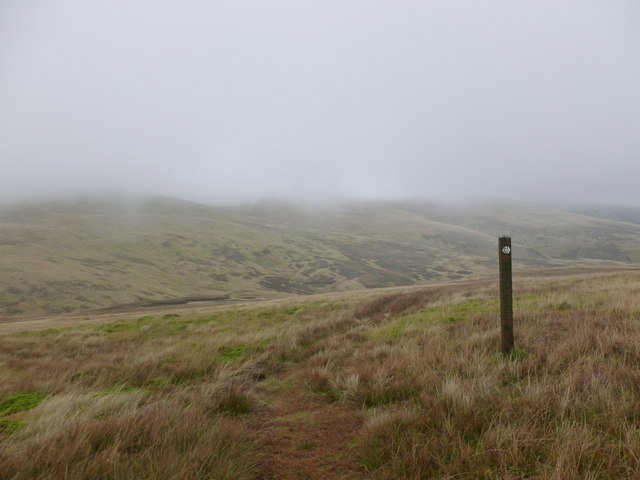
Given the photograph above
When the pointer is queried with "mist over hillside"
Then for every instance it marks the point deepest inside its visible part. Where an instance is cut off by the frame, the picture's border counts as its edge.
(259, 240)
(96, 252)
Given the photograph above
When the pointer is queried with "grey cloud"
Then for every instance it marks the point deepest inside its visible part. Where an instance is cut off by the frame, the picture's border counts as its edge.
(237, 100)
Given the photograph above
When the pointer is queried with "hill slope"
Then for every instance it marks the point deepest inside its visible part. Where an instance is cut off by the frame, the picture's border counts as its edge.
(401, 386)
(98, 253)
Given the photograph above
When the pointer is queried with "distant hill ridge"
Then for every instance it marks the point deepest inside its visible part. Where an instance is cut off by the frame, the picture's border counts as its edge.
(96, 253)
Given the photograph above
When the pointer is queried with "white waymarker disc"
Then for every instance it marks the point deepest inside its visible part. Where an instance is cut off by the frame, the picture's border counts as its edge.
(506, 250)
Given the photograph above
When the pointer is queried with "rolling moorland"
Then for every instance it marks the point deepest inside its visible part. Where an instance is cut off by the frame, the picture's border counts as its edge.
(402, 385)
(278, 342)
(91, 254)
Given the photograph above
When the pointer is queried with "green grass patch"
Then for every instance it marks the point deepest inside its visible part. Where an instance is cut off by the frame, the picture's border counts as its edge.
(432, 315)
(464, 311)
(156, 382)
(453, 319)
(116, 327)
(177, 328)
(290, 310)
(308, 445)
(398, 327)
(526, 301)
(561, 307)
(7, 427)
(387, 397)
(39, 333)
(229, 354)
(168, 324)
(518, 355)
(375, 456)
(239, 405)
(279, 314)
(20, 402)
(190, 376)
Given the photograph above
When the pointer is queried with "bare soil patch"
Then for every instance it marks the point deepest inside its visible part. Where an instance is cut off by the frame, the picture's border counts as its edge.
(306, 436)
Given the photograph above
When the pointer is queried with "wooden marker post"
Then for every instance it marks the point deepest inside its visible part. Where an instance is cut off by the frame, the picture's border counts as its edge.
(506, 300)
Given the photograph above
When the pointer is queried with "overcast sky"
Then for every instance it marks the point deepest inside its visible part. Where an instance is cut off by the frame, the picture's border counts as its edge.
(236, 100)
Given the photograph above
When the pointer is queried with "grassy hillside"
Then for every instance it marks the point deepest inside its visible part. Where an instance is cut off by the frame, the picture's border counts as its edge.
(97, 253)
(401, 386)
(569, 233)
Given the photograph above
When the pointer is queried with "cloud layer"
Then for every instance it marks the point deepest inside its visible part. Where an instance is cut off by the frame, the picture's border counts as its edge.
(234, 100)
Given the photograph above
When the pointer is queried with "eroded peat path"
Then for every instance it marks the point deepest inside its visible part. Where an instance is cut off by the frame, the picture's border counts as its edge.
(303, 435)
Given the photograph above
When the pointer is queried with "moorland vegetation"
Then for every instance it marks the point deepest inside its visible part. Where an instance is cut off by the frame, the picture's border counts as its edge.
(405, 385)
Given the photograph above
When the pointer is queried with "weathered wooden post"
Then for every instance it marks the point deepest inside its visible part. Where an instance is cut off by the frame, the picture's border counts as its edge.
(506, 298)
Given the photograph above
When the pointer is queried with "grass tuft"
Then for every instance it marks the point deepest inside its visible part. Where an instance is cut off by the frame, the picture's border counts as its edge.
(229, 353)
(8, 427)
(39, 333)
(20, 402)
(308, 445)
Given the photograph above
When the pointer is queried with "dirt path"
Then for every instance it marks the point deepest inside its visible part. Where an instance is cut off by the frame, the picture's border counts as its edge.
(305, 437)
(16, 324)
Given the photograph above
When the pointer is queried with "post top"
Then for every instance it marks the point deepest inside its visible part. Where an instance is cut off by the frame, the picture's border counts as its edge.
(505, 236)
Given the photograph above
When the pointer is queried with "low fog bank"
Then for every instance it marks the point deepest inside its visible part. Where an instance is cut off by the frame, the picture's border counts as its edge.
(132, 204)
(231, 102)
(511, 182)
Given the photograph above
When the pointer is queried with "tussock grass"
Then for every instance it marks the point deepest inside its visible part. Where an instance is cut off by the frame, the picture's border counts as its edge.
(20, 401)
(187, 397)
(566, 406)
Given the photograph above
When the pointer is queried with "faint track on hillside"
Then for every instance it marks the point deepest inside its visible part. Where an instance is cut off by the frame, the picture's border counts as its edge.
(16, 324)
(306, 436)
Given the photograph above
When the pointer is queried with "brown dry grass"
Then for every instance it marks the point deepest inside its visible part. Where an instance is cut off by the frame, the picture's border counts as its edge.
(235, 394)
